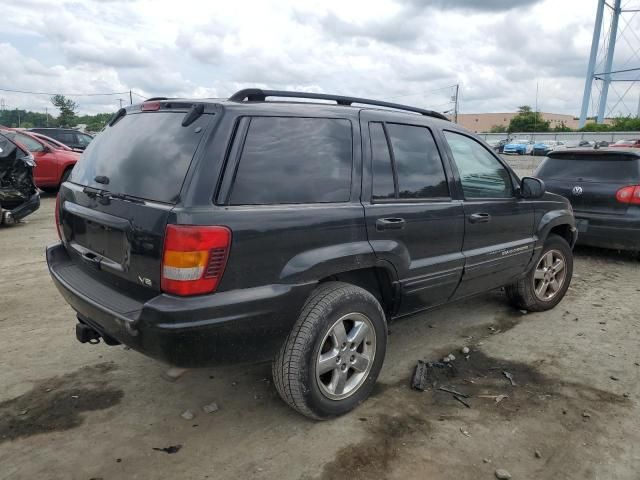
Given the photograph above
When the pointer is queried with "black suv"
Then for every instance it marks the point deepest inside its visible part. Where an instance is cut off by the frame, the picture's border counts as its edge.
(70, 137)
(202, 231)
(603, 185)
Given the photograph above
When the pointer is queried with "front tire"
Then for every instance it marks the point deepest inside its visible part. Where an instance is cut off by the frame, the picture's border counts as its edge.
(548, 281)
(330, 361)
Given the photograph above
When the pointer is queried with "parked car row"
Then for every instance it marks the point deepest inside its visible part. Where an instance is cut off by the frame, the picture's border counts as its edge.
(529, 147)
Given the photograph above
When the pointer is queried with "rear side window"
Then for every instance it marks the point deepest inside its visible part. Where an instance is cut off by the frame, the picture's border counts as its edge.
(66, 137)
(145, 155)
(294, 160)
(383, 186)
(587, 169)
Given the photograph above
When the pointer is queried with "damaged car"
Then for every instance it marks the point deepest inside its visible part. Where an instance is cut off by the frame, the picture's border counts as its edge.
(19, 196)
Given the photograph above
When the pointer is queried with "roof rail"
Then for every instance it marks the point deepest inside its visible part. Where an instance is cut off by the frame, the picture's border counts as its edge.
(155, 98)
(259, 95)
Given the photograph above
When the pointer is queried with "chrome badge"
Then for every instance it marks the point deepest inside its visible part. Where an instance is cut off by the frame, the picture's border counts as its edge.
(577, 191)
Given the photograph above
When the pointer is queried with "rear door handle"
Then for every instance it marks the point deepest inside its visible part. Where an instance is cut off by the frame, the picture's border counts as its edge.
(390, 223)
(479, 218)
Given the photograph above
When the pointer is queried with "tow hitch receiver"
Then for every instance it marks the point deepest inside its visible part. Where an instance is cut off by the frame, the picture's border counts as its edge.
(86, 334)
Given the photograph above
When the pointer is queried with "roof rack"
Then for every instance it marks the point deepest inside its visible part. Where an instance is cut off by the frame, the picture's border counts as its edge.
(155, 98)
(259, 95)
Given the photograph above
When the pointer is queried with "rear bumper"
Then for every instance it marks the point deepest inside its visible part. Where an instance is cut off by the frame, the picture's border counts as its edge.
(226, 327)
(26, 208)
(609, 231)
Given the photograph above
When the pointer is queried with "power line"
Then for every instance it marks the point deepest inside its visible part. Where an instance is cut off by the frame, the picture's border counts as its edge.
(66, 94)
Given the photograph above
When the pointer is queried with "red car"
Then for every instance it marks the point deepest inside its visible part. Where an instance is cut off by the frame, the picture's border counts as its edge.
(53, 163)
(634, 143)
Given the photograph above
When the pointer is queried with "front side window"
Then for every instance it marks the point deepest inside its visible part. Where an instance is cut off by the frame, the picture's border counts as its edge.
(481, 174)
(294, 160)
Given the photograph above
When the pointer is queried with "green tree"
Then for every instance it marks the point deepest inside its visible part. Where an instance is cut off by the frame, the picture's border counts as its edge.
(67, 109)
(562, 128)
(596, 127)
(528, 121)
(498, 129)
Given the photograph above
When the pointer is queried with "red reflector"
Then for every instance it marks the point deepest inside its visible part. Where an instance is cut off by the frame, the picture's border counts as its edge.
(629, 195)
(194, 258)
(150, 106)
(57, 214)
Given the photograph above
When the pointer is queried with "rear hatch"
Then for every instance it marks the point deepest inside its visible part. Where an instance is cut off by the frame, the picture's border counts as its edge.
(115, 207)
(590, 179)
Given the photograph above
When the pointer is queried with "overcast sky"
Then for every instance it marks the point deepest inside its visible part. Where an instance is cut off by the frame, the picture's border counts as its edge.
(395, 50)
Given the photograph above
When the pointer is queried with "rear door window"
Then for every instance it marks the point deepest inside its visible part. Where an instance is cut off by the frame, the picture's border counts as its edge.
(417, 160)
(592, 169)
(294, 160)
(145, 155)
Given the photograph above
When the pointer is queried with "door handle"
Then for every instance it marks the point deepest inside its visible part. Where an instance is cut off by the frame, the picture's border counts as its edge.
(479, 218)
(390, 223)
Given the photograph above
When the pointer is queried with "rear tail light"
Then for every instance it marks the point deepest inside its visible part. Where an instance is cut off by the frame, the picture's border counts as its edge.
(57, 214)
(194, 258)
(629, 195)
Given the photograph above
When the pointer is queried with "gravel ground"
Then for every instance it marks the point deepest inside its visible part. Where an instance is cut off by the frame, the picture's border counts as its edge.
(72, 411)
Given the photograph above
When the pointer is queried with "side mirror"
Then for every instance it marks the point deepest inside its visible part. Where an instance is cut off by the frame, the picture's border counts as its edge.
(531, 187)
(46, 149)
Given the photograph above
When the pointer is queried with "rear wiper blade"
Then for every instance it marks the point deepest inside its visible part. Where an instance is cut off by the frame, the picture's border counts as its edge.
(124, 196)
(94, 192)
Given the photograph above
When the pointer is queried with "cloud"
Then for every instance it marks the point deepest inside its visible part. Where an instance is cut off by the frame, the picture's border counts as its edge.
(407, 51)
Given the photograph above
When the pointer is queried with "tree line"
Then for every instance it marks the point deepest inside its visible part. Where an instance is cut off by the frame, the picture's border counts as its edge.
(67, 117)
(529, 121)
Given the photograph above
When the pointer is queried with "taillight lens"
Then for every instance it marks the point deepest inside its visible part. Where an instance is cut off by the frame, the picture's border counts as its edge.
(629, 195)
(194, 258)
(57, 214)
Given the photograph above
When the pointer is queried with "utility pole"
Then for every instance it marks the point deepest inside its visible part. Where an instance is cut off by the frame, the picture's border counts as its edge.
(455, 108)
(130, 98)
(120, 100)
(46, 114)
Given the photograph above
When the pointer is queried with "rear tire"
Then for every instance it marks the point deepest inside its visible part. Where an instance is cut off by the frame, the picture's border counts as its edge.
(547, 282)
(330, 361)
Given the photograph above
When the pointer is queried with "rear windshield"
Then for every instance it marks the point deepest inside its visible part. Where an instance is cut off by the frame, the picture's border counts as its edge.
(590, 169)
(144, 155)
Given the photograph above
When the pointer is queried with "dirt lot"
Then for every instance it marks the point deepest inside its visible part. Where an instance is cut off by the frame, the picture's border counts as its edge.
(72, 411)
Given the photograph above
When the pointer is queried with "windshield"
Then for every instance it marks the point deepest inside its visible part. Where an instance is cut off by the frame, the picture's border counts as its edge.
(145, 155)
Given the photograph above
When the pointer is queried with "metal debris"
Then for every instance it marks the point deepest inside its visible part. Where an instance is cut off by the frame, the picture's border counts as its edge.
(510, 378)
(429, 374)
(170, 449)
(462, 401)
(454, 392)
